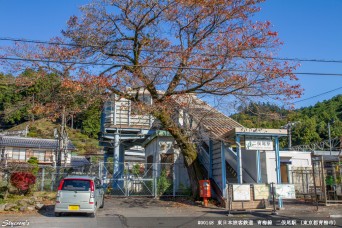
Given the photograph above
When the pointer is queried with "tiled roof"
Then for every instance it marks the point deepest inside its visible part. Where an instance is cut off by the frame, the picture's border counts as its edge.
(77, 161)
(25, 142)
(212, 120)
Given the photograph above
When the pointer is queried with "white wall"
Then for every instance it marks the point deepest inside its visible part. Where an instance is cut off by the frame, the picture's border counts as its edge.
(165, 145)
(268, 164)
(298, 159)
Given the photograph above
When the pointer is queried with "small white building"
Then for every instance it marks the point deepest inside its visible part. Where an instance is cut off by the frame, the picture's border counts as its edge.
(162, 152)
(289, 160)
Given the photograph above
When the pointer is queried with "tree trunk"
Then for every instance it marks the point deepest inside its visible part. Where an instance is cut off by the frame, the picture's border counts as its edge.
(187, 148)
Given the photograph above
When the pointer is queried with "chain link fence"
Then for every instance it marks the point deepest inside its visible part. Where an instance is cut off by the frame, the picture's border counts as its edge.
(120, 179)
(145, 179)
(47, 177)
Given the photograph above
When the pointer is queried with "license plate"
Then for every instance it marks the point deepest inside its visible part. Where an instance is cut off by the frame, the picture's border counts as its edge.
(74, 207)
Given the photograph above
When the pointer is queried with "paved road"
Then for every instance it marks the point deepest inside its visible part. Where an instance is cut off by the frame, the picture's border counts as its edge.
(147, 212)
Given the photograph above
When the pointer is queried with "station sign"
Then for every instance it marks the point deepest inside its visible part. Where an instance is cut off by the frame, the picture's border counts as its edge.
(253, 144)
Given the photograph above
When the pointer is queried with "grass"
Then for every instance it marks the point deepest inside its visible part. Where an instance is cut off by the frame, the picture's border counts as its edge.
(13, 198)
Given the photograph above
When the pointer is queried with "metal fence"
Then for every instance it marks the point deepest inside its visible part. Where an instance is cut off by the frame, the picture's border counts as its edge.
(321, 182)
(145, 179)
(120, 179)
(47, 177)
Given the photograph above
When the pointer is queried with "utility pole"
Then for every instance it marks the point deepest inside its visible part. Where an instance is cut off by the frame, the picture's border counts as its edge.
(329, 137)
(329, 134)
(62, 142)
(289, 131)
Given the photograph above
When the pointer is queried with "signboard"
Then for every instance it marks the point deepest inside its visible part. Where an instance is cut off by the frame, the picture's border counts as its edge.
(241, 192)
(259, 145)
(285, 191)
(261, 191)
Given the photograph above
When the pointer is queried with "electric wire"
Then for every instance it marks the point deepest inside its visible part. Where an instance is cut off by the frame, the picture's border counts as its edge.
(317, 95)
(169, 51)
(165, 67)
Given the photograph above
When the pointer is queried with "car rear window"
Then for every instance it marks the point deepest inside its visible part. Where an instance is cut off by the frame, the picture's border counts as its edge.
(76, 185)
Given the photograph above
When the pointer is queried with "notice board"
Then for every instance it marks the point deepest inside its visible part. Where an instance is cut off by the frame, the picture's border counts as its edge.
(261, 191)
(241, 192)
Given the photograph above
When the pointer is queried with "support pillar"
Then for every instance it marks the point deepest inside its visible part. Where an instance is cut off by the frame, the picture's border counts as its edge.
(239, 160)
(277, 158)
(105, 160)
(116, 160)
(259, 178)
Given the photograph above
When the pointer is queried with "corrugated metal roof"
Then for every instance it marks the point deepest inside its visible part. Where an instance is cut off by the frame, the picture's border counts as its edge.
(212, 120)
(25, 142)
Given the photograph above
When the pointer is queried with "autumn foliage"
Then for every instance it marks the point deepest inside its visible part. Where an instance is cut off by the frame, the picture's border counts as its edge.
(166, 48)
(22, 181)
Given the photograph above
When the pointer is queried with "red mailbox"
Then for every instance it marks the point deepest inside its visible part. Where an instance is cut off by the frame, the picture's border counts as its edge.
(205, 191)
(205, 188)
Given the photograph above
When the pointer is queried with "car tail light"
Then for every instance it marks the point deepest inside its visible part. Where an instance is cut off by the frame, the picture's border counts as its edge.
(92, 194)
(92, 187)
(60, 185)
(59, 190)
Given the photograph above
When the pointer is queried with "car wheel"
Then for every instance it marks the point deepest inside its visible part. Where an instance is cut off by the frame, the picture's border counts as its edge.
(57, 214)
(102, 204)
(93, 214)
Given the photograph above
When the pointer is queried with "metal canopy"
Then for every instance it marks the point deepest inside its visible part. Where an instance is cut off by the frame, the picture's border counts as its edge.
(258, 132)
(234, 136)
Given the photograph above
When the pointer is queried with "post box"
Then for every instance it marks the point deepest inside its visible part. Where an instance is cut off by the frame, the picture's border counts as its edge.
(205, 191)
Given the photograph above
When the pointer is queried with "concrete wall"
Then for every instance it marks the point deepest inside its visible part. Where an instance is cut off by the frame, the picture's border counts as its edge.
(297, 159)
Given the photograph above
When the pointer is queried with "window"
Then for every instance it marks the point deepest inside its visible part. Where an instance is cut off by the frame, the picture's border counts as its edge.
(19, 154)
(76, 185)
(40, 155)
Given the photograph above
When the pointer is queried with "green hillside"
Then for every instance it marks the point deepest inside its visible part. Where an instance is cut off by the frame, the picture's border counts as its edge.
(44, 128)
(309, 124)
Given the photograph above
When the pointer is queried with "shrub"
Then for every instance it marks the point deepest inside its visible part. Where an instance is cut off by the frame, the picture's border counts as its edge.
(163, 184)
(33, 161)
(22, 181)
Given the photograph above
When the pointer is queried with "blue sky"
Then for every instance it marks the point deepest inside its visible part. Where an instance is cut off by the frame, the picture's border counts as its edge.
(310, 29)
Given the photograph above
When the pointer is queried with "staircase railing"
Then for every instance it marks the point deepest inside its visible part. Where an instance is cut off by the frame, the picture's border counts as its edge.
(231, 158)
(203, 156)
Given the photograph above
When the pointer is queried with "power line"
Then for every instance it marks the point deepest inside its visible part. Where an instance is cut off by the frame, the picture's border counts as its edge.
(171, 51)
(318, 95)
(164, 67)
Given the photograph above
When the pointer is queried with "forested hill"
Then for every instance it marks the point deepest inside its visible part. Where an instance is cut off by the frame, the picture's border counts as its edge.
(309, 124)
(21, 105)
(21, 102)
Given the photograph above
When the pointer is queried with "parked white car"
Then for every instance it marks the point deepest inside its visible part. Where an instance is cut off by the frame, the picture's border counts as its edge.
(79, 194)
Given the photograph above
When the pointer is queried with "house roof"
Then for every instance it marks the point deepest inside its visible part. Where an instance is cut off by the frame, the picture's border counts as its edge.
(77, 161)
(25, 142)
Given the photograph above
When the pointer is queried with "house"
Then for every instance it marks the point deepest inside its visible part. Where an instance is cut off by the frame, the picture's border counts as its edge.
(20, 149)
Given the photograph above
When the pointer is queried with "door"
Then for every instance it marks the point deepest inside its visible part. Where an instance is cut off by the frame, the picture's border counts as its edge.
(283, 171)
